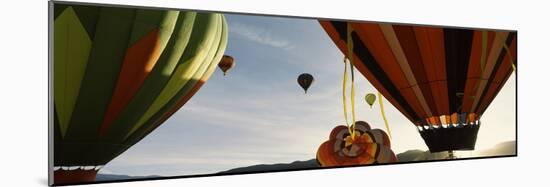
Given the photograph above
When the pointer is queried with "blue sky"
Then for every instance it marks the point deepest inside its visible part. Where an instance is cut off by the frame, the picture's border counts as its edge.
(258, 114)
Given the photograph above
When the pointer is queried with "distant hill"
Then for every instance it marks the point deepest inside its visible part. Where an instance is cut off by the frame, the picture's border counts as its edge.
(417, 155)
(309, 164)
(111, 177)
(411, 155)
(504, 148)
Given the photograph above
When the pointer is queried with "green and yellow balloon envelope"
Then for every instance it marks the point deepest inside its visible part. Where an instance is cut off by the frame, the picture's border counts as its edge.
(370, 98)
(121, 72)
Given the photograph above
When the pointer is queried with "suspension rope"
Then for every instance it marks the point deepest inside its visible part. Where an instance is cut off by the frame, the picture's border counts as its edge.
(384, 114)
(509, 55)
(483, 51)
(344, 96)
(351, 126)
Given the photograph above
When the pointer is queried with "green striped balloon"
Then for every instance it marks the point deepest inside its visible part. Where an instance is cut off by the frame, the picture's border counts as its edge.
(120, 72)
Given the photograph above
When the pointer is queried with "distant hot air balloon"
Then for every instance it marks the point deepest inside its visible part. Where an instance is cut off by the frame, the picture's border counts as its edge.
(370, 98)
(369, 147)
(305, 80)
(441, 79)
(119, 73)
(226, 63)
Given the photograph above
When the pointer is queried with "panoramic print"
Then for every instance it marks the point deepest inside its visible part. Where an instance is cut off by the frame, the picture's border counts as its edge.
(141, 93)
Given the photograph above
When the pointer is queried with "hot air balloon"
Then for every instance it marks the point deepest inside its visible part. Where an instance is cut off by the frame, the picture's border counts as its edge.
(119, 73)
(226, 63)
(441, 79)
(305, 80)
(370, 146)
(370, 98)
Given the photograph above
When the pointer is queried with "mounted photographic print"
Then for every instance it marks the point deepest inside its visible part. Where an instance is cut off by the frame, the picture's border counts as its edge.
(143, 93)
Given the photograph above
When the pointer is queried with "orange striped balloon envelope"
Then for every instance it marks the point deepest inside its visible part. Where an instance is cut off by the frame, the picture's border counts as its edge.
(369, 147)
(441, 79)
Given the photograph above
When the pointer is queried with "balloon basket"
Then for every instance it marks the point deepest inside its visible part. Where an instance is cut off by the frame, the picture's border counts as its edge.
(74, 176)
(450, 138)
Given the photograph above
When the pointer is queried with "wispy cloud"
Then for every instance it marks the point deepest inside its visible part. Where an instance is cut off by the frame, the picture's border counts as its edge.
(259, 35)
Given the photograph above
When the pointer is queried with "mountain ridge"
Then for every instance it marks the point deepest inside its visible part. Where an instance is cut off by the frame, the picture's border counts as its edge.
(501, 149)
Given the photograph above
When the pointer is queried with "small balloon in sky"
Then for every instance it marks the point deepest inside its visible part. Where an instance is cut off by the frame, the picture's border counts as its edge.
(226, 63)
(305, 80)
(370, 98)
